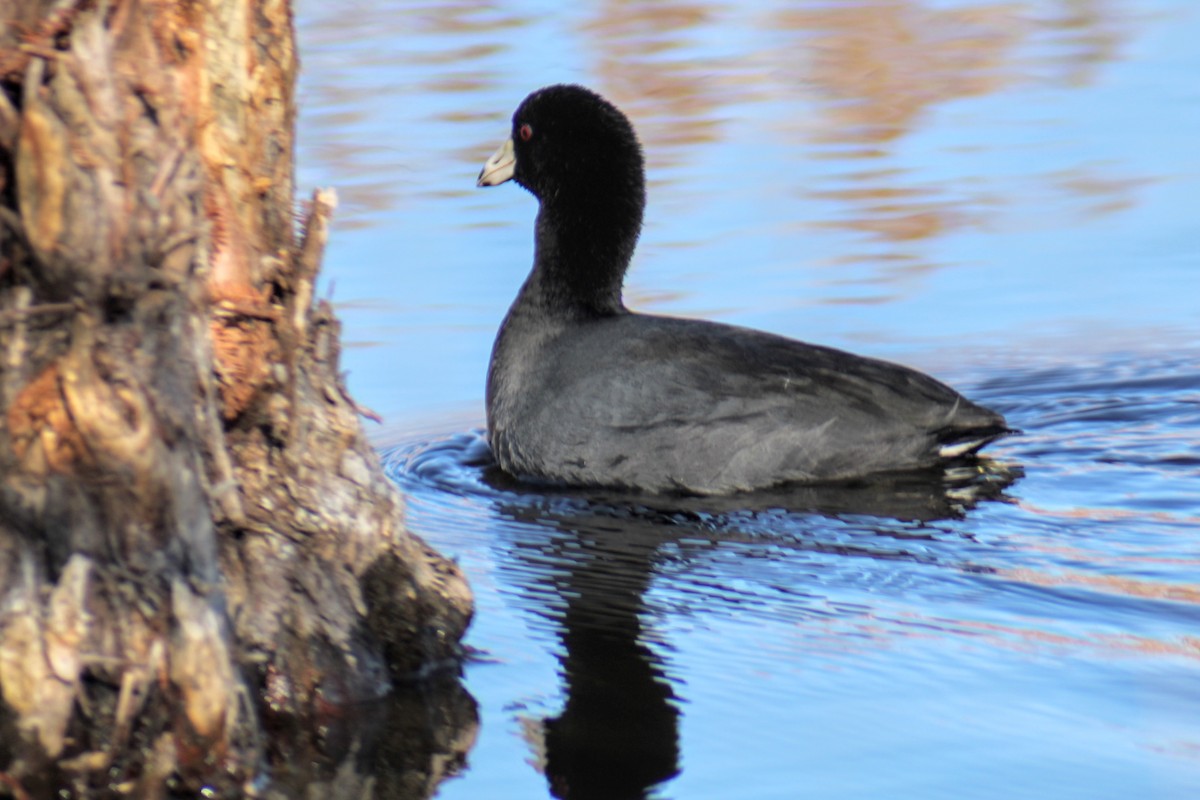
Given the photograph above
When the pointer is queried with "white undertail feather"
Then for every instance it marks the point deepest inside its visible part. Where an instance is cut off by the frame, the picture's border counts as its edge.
(957, 449)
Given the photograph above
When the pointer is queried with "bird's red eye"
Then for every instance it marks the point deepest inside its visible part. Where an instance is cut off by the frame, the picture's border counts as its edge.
(526, 132)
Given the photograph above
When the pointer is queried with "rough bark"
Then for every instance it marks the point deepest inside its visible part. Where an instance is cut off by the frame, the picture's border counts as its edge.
(202, 565)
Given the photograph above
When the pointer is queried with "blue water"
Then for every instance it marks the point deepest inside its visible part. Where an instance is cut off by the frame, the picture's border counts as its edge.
(1004, 195)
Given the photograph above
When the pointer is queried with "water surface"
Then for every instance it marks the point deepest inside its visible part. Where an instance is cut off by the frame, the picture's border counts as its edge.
(1003, 194)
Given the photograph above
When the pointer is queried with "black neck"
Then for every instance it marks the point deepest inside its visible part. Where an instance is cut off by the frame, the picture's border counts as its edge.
(583, 248)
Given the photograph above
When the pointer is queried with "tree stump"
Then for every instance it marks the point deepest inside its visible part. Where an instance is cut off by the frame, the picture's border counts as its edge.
(202, 566)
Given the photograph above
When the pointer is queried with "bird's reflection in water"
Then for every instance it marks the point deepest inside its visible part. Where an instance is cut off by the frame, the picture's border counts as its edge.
(618, 731)
(617, 735)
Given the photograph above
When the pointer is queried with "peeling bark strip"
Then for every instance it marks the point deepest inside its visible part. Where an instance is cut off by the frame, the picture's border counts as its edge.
(197, 546)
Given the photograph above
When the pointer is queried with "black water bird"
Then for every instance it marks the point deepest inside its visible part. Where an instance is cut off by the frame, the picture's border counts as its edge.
(583, 392)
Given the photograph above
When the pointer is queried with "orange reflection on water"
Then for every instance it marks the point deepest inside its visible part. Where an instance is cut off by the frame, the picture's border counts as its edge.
(1129, 587)
(885, 630)
(1110, 644)
(879, 67)
(640, 50)
(883, 63)
(1089, 34)
(1098, 192)
(455, 17)
(1108, 514)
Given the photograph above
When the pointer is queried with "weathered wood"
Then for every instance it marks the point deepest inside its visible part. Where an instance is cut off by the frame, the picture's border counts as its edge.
(197, 544)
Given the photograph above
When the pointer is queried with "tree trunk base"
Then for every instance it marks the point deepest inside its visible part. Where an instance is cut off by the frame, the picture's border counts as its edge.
(204, 573)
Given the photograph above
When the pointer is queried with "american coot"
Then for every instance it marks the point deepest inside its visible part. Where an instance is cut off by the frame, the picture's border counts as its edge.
(583, 392)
